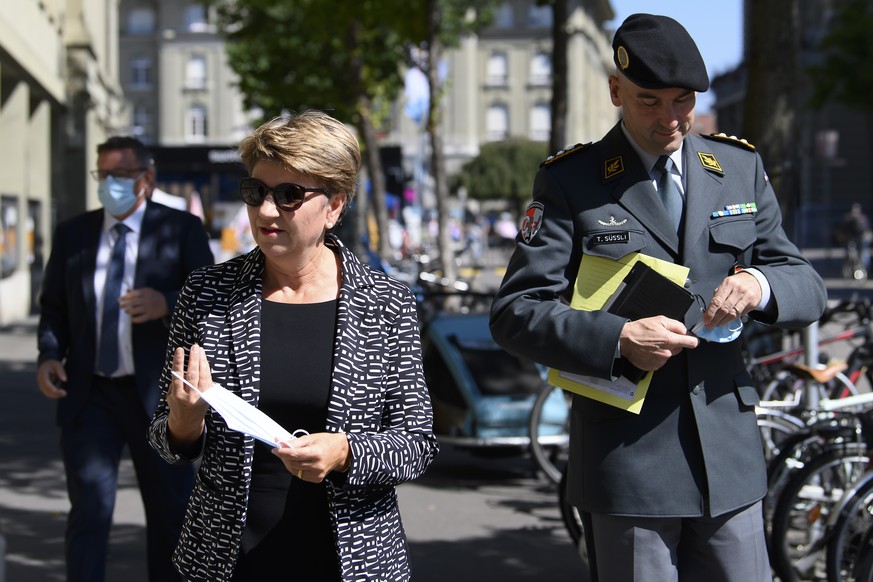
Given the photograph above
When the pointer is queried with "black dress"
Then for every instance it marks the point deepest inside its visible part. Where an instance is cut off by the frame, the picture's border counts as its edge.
(288, 529)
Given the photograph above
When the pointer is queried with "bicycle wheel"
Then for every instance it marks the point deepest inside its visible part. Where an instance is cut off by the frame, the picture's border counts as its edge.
(800, 521)
(798, 449)
(853, 521)
(775, 427)
(790, 387)
(569, 515)
(864, 563)
(576, 522)
(549, 431)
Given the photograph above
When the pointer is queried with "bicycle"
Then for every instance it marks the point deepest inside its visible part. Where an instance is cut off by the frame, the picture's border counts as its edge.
(811, 481)
(789, 394)
(549, 431)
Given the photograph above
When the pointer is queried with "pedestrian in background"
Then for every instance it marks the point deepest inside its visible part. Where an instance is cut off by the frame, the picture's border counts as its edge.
(319, 341)
(855, 233)
(675, 491)
(110, 285)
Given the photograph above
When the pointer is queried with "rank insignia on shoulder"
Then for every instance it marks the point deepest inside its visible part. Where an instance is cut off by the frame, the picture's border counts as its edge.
(731, 139)
(612, 168)
(709, 162)
(564, 153)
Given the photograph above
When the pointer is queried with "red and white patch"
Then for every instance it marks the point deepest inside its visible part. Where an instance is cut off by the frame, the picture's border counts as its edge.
(531, 221)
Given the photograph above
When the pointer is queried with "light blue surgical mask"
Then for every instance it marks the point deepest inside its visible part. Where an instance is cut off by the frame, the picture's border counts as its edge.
(720, 334)
(117, 195)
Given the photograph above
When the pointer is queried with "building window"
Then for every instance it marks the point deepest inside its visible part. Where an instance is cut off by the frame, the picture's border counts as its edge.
(497, 122)
(141, 21)
(540, 122)
(541, 69)
(497, 72)
(539, 16)
(142, 120)
(141, 72)
(503, 16)
(195, 72)
(196, 120)
(195, 18)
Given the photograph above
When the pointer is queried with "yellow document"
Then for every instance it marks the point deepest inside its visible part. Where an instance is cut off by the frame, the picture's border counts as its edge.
(597, 281)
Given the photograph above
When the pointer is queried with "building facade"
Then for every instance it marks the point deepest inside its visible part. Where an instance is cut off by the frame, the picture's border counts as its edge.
(59, 98)
(834, 143)
(183, 101)
(498, 85)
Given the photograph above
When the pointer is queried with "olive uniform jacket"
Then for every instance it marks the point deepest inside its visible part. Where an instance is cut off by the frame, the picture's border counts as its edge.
(695, 448)
(378, 398)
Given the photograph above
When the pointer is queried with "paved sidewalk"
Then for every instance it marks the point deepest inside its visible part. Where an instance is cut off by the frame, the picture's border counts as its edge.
(33, 500)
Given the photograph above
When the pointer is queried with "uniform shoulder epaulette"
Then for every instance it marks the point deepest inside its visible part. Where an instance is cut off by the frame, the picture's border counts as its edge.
(731, 139)
(561, 154)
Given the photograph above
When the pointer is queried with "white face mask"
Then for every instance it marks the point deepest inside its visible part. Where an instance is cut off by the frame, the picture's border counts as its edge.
(117, 195)
(720, 334)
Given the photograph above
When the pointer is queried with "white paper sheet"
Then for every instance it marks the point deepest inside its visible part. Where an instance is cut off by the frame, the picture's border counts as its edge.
(242, 416)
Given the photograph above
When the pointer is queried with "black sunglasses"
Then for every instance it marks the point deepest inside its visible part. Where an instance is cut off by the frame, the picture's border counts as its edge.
(287, 197)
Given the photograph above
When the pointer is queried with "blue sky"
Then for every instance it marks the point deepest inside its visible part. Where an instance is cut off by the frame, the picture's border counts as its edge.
(717, 27)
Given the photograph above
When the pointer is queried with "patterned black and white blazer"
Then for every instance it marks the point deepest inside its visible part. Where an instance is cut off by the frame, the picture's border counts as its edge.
(378, 398)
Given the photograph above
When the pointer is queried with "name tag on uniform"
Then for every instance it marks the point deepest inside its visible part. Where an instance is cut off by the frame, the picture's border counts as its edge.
(610, 238)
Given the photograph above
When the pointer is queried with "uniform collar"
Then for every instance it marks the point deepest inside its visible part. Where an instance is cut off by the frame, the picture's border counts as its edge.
(648, 160)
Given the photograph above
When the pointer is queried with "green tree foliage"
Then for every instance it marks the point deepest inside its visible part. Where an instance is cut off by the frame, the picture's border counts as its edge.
(503, 170)
(299, 54)
(342, 57)
(846, 74)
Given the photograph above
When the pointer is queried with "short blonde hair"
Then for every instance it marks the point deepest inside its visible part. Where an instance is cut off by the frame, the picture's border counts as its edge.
(312, 143)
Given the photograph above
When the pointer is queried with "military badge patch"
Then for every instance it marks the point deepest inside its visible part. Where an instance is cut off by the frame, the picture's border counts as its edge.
(709, 162)
(612, 167)
(531, 221)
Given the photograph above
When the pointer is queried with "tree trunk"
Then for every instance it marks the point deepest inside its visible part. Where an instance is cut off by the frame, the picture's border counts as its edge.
(438, 164)
(771, 106)
(558, 136)
(377, 178)
(372, 160)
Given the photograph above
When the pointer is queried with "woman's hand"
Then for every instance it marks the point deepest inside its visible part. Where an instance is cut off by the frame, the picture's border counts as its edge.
(311, 457)
(187, 410)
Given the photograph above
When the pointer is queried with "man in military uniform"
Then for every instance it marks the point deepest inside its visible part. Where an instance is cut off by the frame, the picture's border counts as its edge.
(674, 490)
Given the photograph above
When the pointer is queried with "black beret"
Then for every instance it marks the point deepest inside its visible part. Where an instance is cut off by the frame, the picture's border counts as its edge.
(656, 52)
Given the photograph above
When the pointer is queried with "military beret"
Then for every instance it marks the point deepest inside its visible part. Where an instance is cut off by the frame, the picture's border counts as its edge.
(656, 52)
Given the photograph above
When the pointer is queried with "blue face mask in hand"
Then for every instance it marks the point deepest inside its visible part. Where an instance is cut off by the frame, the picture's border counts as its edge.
(720, 334)
(116, 195)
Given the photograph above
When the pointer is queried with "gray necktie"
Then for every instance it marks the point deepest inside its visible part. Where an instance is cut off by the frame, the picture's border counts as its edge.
(670, 195)
(107, 360)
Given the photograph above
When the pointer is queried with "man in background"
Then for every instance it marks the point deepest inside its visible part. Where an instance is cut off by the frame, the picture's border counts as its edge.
(110, 286)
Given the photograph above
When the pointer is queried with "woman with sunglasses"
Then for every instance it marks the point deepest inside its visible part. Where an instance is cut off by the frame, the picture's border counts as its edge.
(302, 329)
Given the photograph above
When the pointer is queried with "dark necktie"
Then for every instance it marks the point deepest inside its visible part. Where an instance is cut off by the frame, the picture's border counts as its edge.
(107, 361)
(670, 195)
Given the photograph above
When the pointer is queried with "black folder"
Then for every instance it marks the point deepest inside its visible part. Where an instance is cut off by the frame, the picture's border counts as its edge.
(644, 292)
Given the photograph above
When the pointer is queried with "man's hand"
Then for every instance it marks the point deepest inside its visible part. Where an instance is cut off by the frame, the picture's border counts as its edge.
(736, 296)
(648, 343)
(144, 304)
(49, 377)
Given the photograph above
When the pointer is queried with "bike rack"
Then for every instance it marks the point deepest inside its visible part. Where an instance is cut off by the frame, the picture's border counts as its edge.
(810, 341)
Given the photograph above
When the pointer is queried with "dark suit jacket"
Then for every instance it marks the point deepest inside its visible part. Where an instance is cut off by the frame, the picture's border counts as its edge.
(696, 439)
(171, 245)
